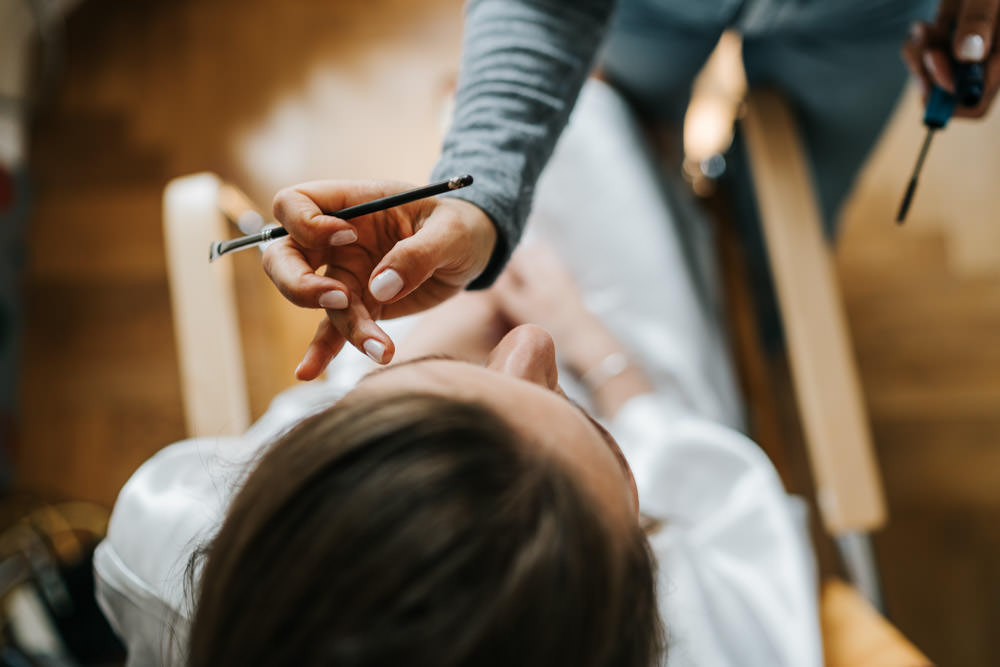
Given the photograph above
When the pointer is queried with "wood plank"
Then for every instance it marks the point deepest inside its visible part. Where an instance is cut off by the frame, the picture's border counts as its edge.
(89, 250)
(855, 635)
(827, 386)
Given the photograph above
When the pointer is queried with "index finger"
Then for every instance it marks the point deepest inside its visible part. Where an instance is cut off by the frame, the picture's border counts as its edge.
(297, 280)
(305, 209)
(358, 328)
(307, 223)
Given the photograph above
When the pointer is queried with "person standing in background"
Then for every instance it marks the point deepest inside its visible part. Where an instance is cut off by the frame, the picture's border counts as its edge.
(523, 64)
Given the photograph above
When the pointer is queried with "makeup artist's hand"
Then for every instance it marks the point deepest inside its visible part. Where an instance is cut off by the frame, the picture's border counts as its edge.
(975, 36)
(379, 266)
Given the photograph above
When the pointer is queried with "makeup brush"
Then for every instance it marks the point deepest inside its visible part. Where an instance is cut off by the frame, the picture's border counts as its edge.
(220, 248)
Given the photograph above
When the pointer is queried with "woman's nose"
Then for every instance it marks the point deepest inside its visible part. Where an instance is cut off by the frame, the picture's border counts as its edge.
(526, 352)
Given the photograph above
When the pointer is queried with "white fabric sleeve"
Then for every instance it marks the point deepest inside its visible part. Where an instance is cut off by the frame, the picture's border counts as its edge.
(737, 577)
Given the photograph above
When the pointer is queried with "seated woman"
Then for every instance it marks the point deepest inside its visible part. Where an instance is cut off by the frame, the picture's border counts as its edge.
(456, 508)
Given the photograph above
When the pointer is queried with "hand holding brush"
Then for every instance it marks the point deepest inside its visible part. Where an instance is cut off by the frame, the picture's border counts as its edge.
(378, 265)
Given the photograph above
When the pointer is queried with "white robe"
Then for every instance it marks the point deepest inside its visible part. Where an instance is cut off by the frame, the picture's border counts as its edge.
(737, 582)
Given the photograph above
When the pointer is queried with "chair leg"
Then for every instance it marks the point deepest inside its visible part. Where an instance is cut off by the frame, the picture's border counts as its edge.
(862, 569)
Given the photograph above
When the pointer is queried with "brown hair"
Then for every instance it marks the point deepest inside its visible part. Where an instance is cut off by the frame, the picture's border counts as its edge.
(420, 530)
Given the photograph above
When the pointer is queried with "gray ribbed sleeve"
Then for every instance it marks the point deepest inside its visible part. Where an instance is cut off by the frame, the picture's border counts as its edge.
(523, 64)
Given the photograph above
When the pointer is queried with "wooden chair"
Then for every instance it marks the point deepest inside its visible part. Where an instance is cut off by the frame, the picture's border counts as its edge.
(196, 209)
(827, 390)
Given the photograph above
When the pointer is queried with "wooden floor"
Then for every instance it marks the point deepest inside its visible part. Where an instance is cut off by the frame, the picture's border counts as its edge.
(268, 94)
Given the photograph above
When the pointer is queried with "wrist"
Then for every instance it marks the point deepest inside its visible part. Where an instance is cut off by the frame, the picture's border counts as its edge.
(607, 369)
(485, 252)
(587, 344)
(613, 381)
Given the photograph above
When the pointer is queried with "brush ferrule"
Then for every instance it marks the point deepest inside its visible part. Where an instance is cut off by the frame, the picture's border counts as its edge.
(460, 182)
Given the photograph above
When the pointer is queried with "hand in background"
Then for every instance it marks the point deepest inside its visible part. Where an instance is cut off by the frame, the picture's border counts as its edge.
(974, 40)
(537, 288)
(379, 266)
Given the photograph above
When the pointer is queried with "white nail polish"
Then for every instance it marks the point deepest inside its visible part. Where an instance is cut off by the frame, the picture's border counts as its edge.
(386, 285)
(972, 49)
(343, 237)
(334, 299)
(928, 61)
(375, 350)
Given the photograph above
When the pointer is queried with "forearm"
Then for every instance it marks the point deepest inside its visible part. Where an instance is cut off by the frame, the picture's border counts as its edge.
(467, 326)
(587, 348)
(523, 64)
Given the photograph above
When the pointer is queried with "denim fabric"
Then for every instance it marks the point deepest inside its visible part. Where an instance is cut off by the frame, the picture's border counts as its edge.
(837, 61)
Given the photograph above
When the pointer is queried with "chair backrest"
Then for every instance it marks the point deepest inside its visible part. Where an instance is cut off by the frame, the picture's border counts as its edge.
(203, 297)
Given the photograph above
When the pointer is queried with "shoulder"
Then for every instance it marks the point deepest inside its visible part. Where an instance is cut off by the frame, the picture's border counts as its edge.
(170, 507)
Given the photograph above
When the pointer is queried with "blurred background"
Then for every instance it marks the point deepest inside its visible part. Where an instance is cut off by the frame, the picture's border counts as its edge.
(120, 97)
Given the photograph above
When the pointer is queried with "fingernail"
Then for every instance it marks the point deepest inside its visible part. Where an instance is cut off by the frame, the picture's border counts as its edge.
(386, 285)
(928, 61)
(374, 349)
(299, 367)
(334, 299)
(343, 237)
(972, 48)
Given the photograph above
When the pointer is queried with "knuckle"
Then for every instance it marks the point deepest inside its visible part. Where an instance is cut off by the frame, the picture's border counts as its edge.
(295, 296)
(420, 255)
(343, 323)
(280, 202)
(267, 262)
(352, 331)
(272, 260)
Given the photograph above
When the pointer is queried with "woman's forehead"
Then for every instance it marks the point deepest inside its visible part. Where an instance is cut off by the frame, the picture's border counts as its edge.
(541, 415)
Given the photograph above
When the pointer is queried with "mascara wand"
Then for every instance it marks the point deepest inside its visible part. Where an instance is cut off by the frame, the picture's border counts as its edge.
(911, 187)
(969, 85)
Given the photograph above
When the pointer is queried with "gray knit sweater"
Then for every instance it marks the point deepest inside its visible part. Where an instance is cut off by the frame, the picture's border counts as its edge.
(523, 64)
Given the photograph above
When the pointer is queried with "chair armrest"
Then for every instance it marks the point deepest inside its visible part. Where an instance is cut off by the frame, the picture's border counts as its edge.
(849, 487)
(854, 634)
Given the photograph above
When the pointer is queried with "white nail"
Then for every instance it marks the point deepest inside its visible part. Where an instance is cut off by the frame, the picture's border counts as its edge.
(972, 49)
(374, 349)
(343, 237)
(928, 61)
(386, 285)
(334, 299)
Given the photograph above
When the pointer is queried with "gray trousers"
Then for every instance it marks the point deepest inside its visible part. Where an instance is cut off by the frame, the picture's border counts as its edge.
(836, 61)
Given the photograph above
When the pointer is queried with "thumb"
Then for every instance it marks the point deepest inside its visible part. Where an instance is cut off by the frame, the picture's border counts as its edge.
(408, 264)
(454, 245)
